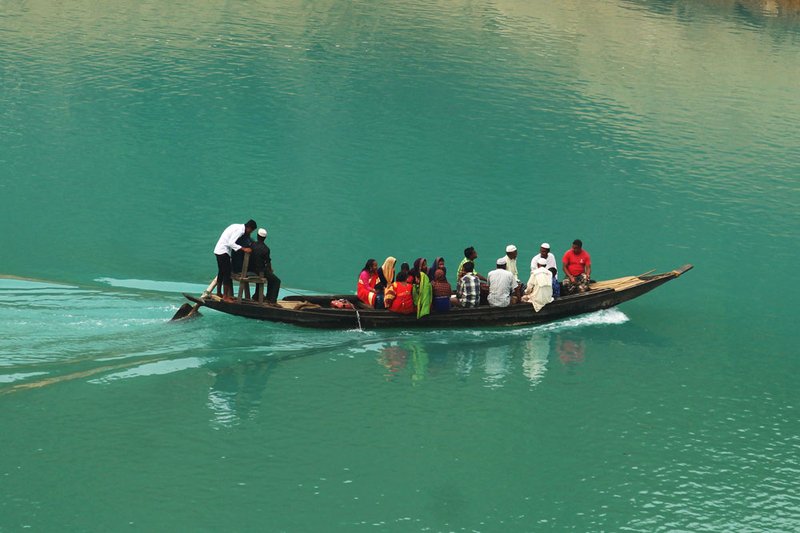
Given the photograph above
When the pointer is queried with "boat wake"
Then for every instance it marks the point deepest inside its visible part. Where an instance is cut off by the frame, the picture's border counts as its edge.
(606, 317)
(52, 333)
(175, 286)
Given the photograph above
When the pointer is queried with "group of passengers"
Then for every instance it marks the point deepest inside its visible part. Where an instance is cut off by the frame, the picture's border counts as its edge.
(423, 289)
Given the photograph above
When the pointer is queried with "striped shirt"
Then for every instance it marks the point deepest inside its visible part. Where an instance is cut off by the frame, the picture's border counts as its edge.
(469, 290)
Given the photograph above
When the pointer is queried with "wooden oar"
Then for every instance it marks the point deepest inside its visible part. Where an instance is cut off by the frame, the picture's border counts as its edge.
(187, 310)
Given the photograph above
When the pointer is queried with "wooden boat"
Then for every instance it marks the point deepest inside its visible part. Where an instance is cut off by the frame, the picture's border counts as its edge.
(315, 311)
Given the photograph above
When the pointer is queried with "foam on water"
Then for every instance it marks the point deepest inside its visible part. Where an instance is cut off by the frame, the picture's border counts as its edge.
(177, 287)
(152, 369)
(151, 285)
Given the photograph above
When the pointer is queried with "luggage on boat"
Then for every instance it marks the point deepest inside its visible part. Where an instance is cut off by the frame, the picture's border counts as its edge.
(341, 303)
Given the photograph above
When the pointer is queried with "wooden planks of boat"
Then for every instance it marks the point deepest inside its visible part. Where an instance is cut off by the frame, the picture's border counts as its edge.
(316, 311)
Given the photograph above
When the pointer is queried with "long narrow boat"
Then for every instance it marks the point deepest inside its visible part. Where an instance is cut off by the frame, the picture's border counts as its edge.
(315, 311)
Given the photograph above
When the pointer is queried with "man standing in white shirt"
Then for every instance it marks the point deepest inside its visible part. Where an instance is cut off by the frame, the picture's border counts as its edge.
(225, 246)
(501, 284)
(544, 253)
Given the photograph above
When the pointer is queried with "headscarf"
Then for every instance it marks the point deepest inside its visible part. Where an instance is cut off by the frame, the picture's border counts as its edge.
(440, 285)
(418, 265)
(434, 267)
(403, 275)
(423, 295)
(388, 269)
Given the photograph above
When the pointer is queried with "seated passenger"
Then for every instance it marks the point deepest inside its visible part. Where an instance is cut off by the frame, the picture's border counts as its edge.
(539, 291)
(511, 261)
(578, 269)
(261, 263)
(366, 283)
(544, 253)
(423, 294)
(511, 266)
(437, 264)
(468, 287)
(386, 273)
(385, 278)
(501, 285)
(399, 297)
(442, 291)
(404, 271)
(556, 283)
(389, 293)
(470, 255)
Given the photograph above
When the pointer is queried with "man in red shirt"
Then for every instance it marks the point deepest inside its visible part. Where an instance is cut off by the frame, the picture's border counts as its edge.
(578, 268)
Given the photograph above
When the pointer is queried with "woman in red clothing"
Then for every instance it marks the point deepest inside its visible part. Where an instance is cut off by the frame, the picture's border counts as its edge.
(399, 297)
(366, 283)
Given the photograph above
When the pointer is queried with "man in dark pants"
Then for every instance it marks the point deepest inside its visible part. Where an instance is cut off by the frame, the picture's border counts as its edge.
(225, 246)
(260, 261)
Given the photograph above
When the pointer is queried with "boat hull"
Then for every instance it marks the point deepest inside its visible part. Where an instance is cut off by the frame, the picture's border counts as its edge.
(483, 316)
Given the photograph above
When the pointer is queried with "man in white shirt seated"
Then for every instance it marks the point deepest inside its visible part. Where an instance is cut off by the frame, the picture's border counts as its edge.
(511, 260)
(225, 246)
(501, 285)
(544, 253)
(539, 291)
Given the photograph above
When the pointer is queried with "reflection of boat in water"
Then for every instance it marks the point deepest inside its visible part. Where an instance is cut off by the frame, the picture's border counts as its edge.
(315, 310)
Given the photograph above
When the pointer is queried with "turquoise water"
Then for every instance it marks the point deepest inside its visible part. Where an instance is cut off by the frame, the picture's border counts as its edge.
(659, 132)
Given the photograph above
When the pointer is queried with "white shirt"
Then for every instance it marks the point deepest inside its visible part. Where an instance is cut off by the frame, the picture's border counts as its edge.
(540, 288)
(227, 241)
(551, 262)
(501, 283)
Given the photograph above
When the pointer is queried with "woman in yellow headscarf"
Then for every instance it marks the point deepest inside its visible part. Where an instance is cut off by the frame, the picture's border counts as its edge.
(384, 286)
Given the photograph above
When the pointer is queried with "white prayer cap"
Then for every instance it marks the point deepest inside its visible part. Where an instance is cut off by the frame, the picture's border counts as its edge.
(541, 261)
(544, 245)
(511, 248)
(262, 232)
(501, 261)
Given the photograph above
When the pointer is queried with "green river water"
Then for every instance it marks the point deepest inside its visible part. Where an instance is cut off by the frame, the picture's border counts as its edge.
(659, 132)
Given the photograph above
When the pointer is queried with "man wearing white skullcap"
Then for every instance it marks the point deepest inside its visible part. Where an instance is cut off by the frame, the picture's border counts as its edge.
(539, 291)
(261, 263)
(511, 260)
(544, 253)
(501, 285)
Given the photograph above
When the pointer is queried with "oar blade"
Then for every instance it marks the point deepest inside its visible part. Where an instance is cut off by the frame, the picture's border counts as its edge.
(187, 310)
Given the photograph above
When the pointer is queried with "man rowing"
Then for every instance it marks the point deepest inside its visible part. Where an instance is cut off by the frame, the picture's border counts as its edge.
(226, 245)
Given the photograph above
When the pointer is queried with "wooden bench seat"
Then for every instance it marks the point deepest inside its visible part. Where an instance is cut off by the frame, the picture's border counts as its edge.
(250, 277)
(245, 278)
